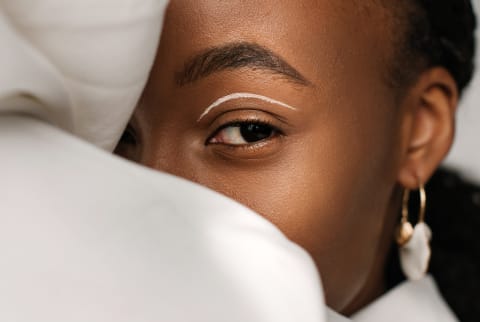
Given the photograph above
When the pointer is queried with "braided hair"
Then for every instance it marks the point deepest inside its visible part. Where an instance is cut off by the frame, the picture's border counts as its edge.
(437, 33)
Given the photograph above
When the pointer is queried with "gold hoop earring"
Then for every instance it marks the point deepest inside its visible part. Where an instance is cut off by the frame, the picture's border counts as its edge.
(405, 230)
(414, 242)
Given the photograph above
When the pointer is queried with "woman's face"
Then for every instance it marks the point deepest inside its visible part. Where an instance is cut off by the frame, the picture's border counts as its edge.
(284, 106)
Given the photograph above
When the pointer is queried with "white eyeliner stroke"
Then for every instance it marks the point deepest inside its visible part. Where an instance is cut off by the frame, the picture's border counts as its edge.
(236, 96)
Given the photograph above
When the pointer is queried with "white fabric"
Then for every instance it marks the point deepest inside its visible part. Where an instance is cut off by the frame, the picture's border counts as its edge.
(412, 301)
(85, 236)
(83, 63)
(333, 316)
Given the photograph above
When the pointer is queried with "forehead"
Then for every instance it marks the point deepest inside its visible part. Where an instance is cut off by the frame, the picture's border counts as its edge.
(315, 36)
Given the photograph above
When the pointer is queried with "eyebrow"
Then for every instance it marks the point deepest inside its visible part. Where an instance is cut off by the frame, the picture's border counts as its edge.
(236, 56)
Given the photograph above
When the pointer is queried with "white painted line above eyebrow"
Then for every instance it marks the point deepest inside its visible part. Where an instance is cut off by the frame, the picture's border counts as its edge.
(236, 96)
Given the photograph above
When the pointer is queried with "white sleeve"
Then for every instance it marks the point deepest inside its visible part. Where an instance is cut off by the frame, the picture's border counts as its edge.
(86, 236)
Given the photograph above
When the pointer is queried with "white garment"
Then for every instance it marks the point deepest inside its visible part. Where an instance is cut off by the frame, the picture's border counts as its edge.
(81, 63)
(412, 301)
(333, 316)
(86, 236)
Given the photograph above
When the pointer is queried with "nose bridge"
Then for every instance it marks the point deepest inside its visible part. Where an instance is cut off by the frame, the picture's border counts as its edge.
(160, 155)
(165, 150)
(168, 145)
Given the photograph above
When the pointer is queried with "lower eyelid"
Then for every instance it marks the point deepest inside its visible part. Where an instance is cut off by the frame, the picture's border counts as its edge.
(251, 146)
(244, 153)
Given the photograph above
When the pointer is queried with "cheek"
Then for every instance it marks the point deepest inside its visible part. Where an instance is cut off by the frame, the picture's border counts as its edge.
(353, 158)
(328, 192)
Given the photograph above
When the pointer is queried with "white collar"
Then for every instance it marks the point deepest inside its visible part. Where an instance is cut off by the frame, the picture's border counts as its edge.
(413, 301)
(333, 316)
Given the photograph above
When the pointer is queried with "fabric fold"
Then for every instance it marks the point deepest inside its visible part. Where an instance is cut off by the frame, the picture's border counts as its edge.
(83, 64)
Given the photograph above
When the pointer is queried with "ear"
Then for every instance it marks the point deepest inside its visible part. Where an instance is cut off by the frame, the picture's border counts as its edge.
(428, 125)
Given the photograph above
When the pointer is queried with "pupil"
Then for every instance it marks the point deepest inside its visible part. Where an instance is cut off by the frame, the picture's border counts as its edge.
(255, 132)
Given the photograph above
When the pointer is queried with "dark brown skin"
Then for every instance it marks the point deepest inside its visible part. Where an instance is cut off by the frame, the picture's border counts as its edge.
(331, 176)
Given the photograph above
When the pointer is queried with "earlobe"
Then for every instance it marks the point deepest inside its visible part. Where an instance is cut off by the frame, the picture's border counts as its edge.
(429, 125)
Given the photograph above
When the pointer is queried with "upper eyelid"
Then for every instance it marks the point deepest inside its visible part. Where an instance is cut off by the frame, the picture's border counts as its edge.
(256, 117)
(241, 122)
(235, 96)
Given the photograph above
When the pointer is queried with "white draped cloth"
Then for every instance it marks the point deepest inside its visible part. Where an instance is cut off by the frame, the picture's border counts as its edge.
(80, 64)
(413, 301)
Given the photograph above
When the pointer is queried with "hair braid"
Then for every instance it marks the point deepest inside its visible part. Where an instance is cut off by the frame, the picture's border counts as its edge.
(442, 33)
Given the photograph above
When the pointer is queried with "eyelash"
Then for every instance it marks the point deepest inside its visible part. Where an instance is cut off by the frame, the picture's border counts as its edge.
(129, 139)
(242, 122)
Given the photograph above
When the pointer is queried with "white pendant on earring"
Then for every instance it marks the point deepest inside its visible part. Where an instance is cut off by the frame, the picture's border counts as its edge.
(415, 254)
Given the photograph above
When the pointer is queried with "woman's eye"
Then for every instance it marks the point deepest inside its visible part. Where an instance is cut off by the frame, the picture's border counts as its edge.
(128, 138)
(127, 146)
(243, 134)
